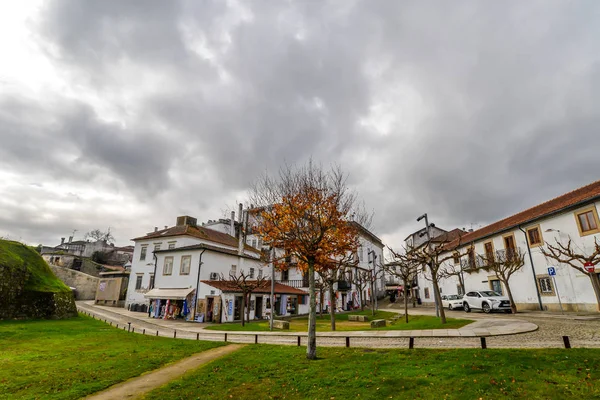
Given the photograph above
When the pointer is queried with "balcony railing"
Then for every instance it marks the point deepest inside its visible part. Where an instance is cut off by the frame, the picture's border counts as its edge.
(296, 283)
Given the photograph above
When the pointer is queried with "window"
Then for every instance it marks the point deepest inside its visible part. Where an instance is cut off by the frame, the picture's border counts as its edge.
(285, 275)
(168, 266)
(456, 257)
(143, 253)
(545, 285)
(186, 261)
(233, 271)
(138, 281)
(495, 285)
(157, 246)
(254, 243)
(172, 245)
(251, 273)
(426, 292)
(260, 274)
(587, 221)
(534, 236)
(151, 286)
(360, 253)
(471, 255)
(489, 252)
(260, 243)
(509, 246)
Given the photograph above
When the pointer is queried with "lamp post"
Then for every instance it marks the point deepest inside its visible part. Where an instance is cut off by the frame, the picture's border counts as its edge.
(373, 275)
(427, 226)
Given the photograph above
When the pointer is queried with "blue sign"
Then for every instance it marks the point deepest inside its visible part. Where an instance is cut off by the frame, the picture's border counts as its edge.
(551, 271)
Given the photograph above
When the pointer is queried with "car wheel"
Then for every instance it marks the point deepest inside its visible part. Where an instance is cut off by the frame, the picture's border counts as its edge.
(486, 308)
(466, 307)
(450, 307)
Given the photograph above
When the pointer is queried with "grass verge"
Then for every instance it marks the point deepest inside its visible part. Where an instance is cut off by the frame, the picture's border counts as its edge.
(342, 323)
(265, 371)
(68, 359)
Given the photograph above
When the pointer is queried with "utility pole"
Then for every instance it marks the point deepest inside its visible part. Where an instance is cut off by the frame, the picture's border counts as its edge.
(272, 300)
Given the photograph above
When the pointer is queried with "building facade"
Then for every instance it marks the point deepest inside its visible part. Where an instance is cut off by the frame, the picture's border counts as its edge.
(570, 218)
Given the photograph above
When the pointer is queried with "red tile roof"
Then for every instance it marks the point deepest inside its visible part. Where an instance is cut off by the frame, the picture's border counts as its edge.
(229, 286)
(571, 199)
(199, 232)
(449, 236)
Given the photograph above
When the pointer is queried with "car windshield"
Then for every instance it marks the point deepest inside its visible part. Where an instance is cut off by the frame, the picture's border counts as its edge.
(489, 293)
(453, 297)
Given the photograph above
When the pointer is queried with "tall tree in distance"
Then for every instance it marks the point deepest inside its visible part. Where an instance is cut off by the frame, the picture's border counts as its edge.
(307, 211)
(97, 234)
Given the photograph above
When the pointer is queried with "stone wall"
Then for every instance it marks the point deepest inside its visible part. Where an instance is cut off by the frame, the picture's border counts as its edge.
(45, 305)
(85, 284)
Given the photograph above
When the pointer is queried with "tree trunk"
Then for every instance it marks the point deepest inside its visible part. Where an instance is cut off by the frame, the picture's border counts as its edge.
(248, 307)
(438, 298)
(461, 281)
(372, 298)
(322, 301)
(513, 306)
(596, 285)
(243, 310)
(332, 308)
(405, 302)
(311, 346)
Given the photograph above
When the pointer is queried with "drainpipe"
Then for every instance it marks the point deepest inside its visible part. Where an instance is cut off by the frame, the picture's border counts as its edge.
(198, 282)
(537, 290)
(154, 282)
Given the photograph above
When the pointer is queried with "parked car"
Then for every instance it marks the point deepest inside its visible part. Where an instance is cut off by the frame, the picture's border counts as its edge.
(487, 301)
(452, 301)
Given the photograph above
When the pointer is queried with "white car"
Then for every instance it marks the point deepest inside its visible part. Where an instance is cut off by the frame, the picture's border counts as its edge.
(487, 301)
(452, 301)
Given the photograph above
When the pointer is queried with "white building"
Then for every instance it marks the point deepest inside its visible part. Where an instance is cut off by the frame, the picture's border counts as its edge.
(177, 271)
(572, 216)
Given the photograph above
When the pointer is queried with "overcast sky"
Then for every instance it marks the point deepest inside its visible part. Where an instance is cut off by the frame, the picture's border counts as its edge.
(129, 113)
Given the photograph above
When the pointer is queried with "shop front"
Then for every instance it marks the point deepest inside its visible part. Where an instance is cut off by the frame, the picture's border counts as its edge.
(170, 303)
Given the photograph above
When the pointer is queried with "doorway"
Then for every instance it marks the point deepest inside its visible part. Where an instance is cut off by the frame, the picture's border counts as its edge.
(237, 308)
(210, 302)
(344, 305)
(258, 307)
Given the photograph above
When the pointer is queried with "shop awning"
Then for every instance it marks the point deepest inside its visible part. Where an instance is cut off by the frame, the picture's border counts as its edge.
(168, 294)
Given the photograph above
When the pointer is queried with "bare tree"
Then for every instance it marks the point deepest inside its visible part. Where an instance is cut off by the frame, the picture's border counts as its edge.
(405, 267)
(246, 285)
(504, 263)
(360, 279)
(97, 234)
(334, 273)
(454, 270)
(308, 211)
(576, 259)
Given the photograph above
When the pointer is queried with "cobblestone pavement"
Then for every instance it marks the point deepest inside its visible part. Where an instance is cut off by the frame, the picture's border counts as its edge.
(583, 331)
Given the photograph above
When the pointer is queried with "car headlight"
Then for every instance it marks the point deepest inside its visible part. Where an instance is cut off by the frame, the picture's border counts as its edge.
(494, 301)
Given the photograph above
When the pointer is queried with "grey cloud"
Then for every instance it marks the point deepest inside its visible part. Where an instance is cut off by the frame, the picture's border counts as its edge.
(496, 86)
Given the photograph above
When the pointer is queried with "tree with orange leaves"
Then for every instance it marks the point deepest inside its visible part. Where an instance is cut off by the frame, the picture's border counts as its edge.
(307, 212)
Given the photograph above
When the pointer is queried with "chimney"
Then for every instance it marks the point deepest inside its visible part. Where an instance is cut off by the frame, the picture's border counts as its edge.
(232, 224)
(240, 235)
(166, 226)
(156, 229)
(70, 239)
(62, 240)
(471, 230)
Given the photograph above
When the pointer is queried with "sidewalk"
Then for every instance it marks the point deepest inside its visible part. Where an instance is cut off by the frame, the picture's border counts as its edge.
(139, 321)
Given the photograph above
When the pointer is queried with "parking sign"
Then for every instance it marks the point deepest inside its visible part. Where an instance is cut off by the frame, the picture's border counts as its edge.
(551, 271)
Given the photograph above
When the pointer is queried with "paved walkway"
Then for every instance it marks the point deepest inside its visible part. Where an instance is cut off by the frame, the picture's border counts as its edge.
(140, 322)
(136, 387)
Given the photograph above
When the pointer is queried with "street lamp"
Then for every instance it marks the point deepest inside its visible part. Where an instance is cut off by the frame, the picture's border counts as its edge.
(374, 276)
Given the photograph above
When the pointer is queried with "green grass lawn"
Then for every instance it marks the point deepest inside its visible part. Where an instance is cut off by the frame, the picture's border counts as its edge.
(271, 372)
(68, 359)
(342, 323)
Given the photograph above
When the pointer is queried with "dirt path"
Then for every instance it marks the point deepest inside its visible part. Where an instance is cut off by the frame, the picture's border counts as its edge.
(136, 387)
